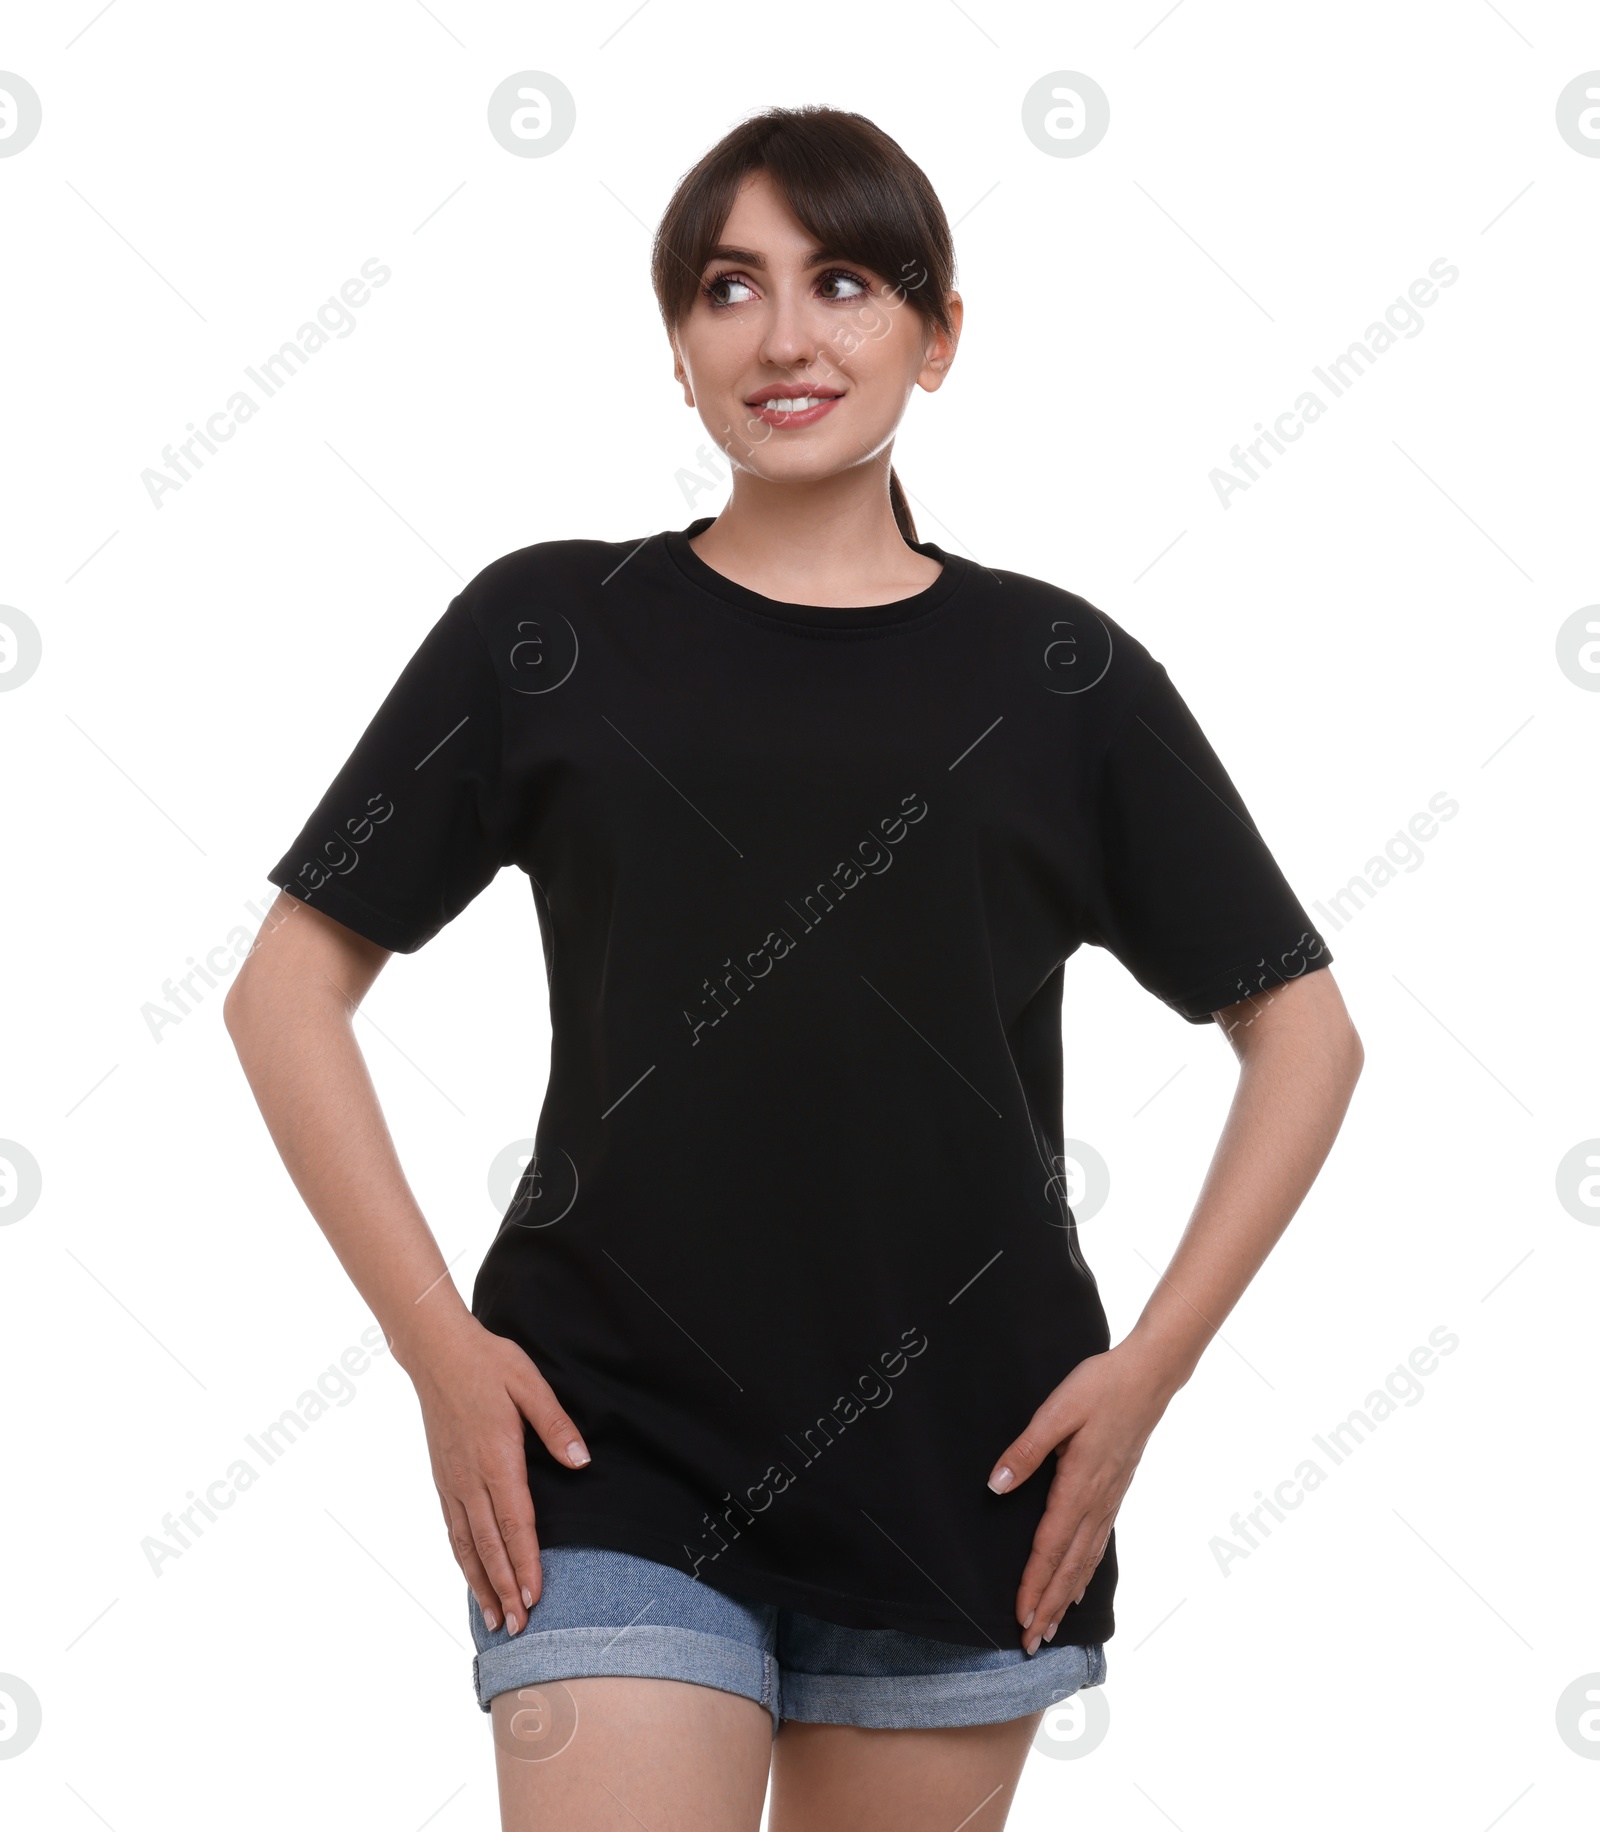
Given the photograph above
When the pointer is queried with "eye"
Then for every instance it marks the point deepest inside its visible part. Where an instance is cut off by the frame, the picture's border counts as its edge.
(712, 289)
(837, 274)
(718, 290)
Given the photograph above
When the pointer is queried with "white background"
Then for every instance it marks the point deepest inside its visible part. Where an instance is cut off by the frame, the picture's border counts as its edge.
(1373, 622)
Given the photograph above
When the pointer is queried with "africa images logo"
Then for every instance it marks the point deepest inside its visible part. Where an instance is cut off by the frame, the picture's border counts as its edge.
(872, 856)
(870, 1391)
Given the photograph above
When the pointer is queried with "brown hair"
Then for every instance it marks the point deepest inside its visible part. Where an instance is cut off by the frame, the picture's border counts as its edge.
(849, 185)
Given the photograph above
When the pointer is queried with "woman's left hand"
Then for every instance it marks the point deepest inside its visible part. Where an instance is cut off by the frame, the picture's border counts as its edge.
(1097, 1422)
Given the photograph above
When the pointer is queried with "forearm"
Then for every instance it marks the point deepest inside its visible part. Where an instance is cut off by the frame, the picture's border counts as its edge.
(299, 1052)
(1295, 1083)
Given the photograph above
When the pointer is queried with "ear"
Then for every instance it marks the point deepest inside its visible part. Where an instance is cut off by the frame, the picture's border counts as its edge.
(941, 350)
(679, 374)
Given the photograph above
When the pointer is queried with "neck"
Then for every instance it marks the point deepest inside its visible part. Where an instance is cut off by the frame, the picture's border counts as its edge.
(834, 541)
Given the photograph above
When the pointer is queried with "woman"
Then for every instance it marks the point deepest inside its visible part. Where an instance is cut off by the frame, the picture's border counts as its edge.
(741, 1446)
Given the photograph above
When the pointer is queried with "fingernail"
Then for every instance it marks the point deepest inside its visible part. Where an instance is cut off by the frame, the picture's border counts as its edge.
(1033, 1646)
(527, 1596)
(490, 1618)
(577, 1454)
(1001, 1480)
(1049, 1633)
(511, 1625)
(1027, 1620)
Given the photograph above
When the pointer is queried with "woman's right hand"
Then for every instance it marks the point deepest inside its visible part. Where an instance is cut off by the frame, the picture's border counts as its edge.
(475, 1389)
(290, 1013)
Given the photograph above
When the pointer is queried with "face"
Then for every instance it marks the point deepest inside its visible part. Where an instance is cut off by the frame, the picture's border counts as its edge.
(775, 320)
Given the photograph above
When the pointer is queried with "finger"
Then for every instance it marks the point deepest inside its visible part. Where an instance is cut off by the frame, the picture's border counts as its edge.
(1065, 1510)
(466, 1555)
(513, 1512)
(485, 1530)
(1023, 1455)
(538, 1404)
(1059, 1529)
(1070, 1578)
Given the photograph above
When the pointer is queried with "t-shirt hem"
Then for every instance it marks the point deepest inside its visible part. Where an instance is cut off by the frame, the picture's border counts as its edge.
(794, 1593)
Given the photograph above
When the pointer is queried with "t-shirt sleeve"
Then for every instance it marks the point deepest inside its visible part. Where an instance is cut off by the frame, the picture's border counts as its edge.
(1188, 896)
(418, 819)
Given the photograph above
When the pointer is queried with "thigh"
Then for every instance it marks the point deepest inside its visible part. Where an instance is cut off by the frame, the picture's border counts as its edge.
(840, 1778)
(601, 1753)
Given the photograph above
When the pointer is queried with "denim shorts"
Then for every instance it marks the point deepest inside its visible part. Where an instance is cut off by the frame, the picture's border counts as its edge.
(607, 1612)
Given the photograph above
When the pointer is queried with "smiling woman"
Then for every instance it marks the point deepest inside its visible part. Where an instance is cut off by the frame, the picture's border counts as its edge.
(783, 267)
(673, 738)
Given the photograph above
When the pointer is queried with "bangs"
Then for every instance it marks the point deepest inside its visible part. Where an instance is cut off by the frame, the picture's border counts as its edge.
(850, 187)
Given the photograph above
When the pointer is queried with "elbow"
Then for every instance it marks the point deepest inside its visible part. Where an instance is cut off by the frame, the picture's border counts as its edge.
(1352, 1053)
(238, 1002)
(233, 1012)
(1338, 1040)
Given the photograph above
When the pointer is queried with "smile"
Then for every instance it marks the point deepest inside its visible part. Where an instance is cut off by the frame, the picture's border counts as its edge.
(793, 410)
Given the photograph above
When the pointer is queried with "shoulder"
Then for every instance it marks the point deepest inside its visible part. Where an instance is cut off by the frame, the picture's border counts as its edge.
(511, 582)
(518, 606)
(1074, 644)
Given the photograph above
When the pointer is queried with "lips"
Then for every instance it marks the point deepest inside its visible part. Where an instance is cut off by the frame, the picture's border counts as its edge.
(791, 391)
(769, 405)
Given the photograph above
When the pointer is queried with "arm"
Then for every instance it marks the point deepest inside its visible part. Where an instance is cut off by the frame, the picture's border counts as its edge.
(289, 1012)
(1299, 1059)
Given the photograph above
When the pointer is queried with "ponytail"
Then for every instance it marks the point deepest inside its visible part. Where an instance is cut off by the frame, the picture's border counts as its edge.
(902, 509)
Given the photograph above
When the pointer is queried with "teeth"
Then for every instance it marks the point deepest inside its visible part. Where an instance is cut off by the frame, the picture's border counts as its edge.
(798, 404)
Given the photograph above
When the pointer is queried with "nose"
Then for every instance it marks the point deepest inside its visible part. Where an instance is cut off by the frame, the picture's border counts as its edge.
(790, 338)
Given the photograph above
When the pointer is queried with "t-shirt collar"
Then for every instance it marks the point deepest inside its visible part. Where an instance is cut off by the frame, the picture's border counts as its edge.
(817, 619)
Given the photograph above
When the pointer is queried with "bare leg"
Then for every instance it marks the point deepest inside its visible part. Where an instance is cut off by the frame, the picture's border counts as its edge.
(833, 1778)
(611, 1755)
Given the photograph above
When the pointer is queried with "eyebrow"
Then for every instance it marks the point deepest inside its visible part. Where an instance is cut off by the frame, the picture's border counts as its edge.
(747, 257)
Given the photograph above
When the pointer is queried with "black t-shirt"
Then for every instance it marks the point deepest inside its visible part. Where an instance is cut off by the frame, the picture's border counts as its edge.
(794, 1248)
